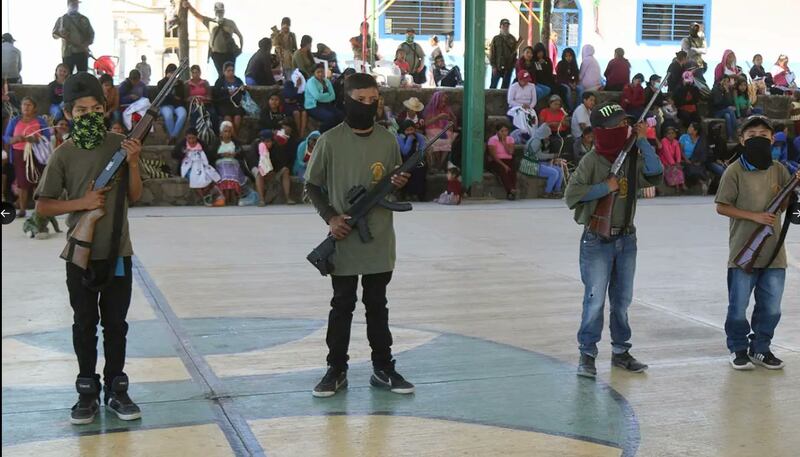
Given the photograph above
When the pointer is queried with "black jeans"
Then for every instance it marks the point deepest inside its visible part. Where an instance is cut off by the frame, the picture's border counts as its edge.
(220, 58)
(504, 75)
(343, 304)
(110, 308)
(79, 60)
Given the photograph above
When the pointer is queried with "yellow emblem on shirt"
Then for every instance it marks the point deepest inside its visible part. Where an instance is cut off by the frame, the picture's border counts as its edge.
(377, 170)
(623, 188)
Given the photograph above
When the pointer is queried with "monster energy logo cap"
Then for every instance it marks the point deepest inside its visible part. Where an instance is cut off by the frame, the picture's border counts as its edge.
(607, 115)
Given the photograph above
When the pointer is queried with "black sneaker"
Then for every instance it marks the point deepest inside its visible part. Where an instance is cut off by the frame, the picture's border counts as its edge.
(627, 362)
(88, 403)
(333, 381)
(116, 399)
(740, 361)
(586, 367)
(391, 380)
(766, 360)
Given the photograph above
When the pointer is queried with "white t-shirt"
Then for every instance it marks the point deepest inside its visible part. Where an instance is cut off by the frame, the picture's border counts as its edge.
(580, 116)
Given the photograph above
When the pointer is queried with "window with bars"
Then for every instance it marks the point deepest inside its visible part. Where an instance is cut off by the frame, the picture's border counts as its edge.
(668, 21)
(426, 17)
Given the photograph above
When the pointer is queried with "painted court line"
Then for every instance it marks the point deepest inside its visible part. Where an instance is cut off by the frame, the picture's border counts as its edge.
(234, 426)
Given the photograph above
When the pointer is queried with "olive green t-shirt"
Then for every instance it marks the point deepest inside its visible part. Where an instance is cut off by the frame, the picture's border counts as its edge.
(71, 169)
(342, 160)
(752, 191)
(593, 169)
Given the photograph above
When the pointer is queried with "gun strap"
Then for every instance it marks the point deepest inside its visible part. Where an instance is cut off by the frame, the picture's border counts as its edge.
(98, 280)
(633, 176)
(787, 221)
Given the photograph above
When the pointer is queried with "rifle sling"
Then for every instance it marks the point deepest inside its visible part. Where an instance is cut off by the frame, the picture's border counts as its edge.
(98, 280)
(787, 221)
(633, 177)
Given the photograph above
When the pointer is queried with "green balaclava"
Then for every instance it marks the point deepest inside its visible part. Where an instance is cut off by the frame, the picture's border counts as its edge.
(89, 130)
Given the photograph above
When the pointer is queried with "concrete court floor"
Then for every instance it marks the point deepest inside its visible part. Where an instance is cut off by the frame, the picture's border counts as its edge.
(228, 324)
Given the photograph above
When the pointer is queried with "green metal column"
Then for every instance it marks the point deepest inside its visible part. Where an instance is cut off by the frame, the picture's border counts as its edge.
(474, 83)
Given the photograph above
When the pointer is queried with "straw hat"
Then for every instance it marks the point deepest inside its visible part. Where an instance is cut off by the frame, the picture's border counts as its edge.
(414, 104)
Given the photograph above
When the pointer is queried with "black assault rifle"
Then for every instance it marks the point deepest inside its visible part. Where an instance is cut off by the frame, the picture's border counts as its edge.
(362, 201)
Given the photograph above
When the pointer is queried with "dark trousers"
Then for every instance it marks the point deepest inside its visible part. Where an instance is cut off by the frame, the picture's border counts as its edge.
(220, 58)
(421, 77)
(508, 178)
(328, 116)
(504, 75)
(109, 308)
(343, 304)
(79, 60)
(14, 80)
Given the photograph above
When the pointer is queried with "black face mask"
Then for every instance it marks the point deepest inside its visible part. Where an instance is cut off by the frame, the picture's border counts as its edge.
(360, 116)
(758, 152)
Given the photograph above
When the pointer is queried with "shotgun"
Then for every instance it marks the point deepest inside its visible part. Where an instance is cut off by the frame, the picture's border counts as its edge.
(600, 222)
(79, 244)
(747, 257)
(363, 200)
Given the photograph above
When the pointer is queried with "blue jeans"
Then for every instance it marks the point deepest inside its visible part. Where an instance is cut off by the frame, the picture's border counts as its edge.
(572, 104)
(553, 175)
(174, 118)
(327, 115)
(716, 168)
(768, 284)
(542, 91)
(729, 114)
(606, 267)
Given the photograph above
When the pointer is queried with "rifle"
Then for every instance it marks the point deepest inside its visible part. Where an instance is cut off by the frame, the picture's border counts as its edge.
(747, 257)
(600, 222)
(79, 245)
(362, 201)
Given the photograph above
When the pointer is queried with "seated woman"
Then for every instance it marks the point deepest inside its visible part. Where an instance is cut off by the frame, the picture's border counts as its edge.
(501, 159)
(783, 78)
(567, 74)
(437, 115)
(56, 91)
(401, 63)
(320, 100)
(410, 142)
(555, 116)
(723, 103)
(228, 164)
(200, 96)
(263, 167)
(695, 150)
(112, 114)
(21, 130)
(293, 94)
(173, 109)
(632, 100)
(131, 90)
(539, 161)
(273, 114)
(194, 166)
(686, 99)
(384, 116)
(228, 93)
(304, 151)
(745, 97)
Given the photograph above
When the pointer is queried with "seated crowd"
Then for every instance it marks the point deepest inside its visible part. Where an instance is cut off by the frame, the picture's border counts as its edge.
(549, 105)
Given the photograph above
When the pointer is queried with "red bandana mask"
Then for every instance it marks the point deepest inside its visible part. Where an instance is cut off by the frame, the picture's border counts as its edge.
(609, 142)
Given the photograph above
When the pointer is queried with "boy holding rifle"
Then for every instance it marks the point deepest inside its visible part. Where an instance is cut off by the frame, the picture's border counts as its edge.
(357, 152)
(745, 191)
(72, 168)
(608, 265)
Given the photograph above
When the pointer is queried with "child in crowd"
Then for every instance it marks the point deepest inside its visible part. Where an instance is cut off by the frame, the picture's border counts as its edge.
(670, 112)
(454, 192)
(60, 132)
(203, 178)
(672, 158)
(118, 127)
(265, 164)
(780, 149)
(585, 145)
(402, 64)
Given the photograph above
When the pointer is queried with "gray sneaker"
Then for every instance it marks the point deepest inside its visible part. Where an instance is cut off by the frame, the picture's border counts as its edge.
(586, 367)
(627, 362)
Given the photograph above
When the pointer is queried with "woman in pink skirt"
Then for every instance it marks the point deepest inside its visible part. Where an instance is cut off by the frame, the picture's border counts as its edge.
(24, 129)
(437, 114)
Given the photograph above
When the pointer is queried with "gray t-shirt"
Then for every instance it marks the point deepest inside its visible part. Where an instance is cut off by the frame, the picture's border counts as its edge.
(71, 169)
(752, 191)
(342, 160)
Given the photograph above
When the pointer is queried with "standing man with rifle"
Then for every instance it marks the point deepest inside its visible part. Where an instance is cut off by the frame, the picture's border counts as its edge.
(753, 191)
(600, 191)
(100, 291)
(357, 153)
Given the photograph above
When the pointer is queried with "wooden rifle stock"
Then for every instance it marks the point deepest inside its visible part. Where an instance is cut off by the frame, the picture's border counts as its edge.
(747, 256)
(600, 222)
(79, 244)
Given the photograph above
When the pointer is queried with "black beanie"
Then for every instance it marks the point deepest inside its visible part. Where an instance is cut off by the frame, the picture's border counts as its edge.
(81, 85)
